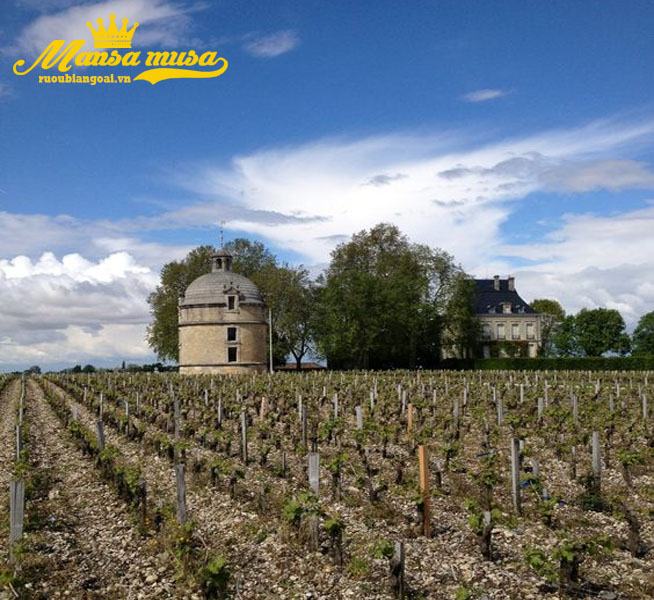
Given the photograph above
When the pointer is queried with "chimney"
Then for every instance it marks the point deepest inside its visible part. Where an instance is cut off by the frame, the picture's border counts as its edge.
(496, 282)
(511, 280)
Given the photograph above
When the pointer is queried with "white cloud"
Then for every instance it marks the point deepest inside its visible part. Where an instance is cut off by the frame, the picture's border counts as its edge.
(594, 261)
(437, 192)
(484, 95)
(161, 22)
(73, 309)
(273, 44)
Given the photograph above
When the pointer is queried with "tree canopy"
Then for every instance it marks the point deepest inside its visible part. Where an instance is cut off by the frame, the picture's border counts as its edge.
(554, 316)
(643, 338)
(592, 333)
(382, 300)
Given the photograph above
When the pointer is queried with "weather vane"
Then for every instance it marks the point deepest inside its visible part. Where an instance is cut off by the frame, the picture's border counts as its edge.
(222, 225)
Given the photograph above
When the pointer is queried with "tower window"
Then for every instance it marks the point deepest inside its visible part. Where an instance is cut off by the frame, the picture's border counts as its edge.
(231, 334)
(231, 302)
(232, 354)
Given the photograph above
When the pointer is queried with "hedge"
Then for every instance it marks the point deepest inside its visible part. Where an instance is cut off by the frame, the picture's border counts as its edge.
(595, 363)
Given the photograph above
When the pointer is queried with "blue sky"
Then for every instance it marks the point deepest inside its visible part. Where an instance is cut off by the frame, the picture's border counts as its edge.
(517, 135)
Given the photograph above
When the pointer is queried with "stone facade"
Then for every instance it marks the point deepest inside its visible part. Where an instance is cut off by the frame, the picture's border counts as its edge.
(510, 327)
(223, 327)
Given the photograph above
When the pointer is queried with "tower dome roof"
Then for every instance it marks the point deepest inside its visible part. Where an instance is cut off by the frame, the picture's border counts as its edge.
(213, 288)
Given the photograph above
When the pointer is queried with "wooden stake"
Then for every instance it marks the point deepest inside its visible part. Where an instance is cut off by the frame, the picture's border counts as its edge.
(423, 467)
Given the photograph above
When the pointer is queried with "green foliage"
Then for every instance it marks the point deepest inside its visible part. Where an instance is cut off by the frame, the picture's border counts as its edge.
(382, 300)
(176, 276)
(628, 457)
(214, 578)
(643, 337)
(462, 327)
(568, 363)
(334, 526)
(541, 563)
(591, 333)
(358, 567)
(553, 315)
(601, 330)
(305, 503)
(464, 592)
(383, 549)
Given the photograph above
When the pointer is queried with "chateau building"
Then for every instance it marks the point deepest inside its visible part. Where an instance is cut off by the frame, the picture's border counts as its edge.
(510, 327)
(222, 322)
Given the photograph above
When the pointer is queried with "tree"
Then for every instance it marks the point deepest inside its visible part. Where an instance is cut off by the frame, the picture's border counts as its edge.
(251, 259)
(564, 340)
(291, 296)
(463, 329)
(601, 330)
(380, 302)
(176, 276)
(643, 338)
(553, 316)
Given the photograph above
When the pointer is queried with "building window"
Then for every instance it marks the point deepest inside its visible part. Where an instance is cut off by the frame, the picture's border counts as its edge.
(506, 308)
(231, 302)
(231, 334)
(486, 331)
(501, 335)
(232, 354)
(530, 331)
(515, 331)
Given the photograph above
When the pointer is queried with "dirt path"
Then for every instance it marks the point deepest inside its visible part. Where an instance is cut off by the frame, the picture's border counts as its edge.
(85, 544)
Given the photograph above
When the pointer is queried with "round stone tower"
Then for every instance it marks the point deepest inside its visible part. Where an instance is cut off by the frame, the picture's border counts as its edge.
(222, 322)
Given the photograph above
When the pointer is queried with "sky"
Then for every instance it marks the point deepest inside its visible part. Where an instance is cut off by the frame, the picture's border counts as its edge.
(516, 135)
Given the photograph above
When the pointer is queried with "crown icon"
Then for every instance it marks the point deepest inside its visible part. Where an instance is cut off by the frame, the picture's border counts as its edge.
(112, 37)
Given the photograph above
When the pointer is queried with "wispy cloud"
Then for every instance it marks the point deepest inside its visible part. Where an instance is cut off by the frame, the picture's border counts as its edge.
(272, 44)
(5, 90)
(384, 179)
(484, 95)
(161, 22)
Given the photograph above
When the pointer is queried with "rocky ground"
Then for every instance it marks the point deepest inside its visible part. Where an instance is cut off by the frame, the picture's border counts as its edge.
(82, 541)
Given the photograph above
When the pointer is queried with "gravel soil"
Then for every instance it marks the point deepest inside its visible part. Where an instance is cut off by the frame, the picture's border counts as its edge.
(80, 541)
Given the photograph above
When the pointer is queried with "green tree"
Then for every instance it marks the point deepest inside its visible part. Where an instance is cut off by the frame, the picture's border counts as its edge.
(291, 296)
(176, 276)
(564, 340)
(553, 316)
(643, 338)
(462, 326)
(601, 330)
(380, 301)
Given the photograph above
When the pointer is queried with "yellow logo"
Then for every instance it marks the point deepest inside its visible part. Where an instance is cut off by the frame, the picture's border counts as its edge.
(108, 41)
(112, 37)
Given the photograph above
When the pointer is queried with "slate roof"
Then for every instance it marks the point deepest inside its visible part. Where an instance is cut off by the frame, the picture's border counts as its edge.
(488, 300)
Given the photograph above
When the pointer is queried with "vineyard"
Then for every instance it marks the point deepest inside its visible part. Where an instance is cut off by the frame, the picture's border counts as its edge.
(328, 485)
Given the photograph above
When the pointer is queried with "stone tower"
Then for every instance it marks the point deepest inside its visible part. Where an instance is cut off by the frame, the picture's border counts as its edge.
(222, 322)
